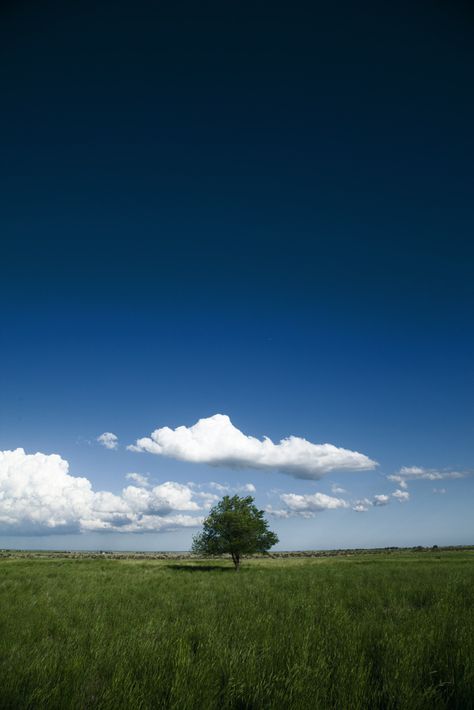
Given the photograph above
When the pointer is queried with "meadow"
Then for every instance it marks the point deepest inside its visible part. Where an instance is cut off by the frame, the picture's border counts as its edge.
(362, 631)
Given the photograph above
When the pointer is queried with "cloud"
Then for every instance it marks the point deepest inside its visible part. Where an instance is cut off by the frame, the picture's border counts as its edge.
(441, 491)
(247, 488)
(309, 504)
(419, 473)
(39, 496)
(401, 496)
(139, 479)
(337, 489)
(363, 505)
(109, 440)
(207, 499)
(395, 478)
(277, 512)
(217, 442)
(224, 488)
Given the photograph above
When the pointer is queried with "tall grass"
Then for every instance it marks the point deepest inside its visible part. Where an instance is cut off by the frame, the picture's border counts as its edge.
(363, 632)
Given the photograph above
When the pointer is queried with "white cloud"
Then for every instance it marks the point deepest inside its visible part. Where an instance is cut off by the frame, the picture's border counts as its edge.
(363, 505)
(401, 496)
(178, 495)
(335, 488)
(109, 440)
(216, 441)
(360, 507)
(139, 479)
(419, 473)
(247, 488)
(309, 504)
(207, 499)
(441, 491)
(225, 488)
(395, 478)
(220, 487)
(277, 512)
(38, 495)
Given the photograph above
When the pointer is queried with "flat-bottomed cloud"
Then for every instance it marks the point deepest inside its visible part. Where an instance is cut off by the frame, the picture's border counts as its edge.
(38, 495)
(217, 442)
(306, 505)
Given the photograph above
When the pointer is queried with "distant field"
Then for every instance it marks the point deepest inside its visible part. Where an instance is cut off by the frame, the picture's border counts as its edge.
(362, 631)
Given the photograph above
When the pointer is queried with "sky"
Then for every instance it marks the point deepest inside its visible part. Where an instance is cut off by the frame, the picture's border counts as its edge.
(237, 258)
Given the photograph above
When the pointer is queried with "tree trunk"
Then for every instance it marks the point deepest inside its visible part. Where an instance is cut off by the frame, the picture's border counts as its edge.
(236, 560)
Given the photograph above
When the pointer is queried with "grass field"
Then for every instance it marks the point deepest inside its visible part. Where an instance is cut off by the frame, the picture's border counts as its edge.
(378, 631)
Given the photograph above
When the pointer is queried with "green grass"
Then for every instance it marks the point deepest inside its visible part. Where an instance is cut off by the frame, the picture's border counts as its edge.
(378, 631)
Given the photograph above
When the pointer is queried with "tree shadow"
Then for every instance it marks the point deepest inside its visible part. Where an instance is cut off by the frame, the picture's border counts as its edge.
(199, 568)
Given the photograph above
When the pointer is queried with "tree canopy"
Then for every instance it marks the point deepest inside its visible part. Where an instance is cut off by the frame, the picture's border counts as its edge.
(234, 526)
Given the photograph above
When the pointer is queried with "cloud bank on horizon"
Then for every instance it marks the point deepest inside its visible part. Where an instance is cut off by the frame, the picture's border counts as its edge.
(39, 496)
(217, 442)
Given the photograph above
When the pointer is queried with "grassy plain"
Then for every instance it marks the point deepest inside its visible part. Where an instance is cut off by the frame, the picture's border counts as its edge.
(358, 632)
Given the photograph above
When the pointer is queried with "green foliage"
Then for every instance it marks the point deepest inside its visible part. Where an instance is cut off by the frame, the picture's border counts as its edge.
(378, 632)
(236, 527)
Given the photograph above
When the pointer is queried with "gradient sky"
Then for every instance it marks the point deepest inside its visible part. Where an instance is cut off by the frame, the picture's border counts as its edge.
(253, 210)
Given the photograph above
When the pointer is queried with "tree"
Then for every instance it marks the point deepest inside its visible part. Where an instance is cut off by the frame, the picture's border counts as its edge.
(234, 526)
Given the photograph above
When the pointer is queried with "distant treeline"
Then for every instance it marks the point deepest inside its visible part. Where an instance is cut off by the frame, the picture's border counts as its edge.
(74, 554)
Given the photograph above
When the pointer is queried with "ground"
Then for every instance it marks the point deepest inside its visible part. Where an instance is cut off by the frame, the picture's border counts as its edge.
(385, 630)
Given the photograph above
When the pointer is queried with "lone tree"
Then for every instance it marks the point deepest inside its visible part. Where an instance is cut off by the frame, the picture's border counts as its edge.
(234, 526)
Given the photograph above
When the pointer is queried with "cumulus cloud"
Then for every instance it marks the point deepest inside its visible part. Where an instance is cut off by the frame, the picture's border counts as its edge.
(216, 441)
(109, 440)
(395, 478)
(401, 496)
(364, 504)
(225, 488)
(277, 512)
(206, 498)
(211, 497)
(419, 473)
(309, 504)
(139, 479)
(335, 488)
(39, 495)
(360, 507)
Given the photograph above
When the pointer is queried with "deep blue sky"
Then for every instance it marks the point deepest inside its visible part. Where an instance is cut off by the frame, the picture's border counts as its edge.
(253, 209)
